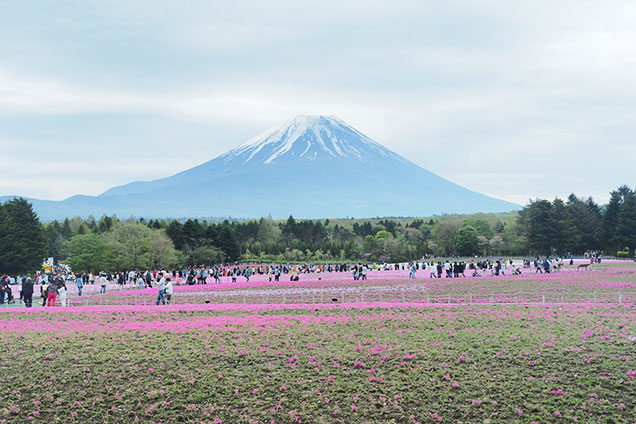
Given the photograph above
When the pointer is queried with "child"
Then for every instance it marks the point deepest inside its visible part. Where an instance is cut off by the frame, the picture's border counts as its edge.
(169, 291)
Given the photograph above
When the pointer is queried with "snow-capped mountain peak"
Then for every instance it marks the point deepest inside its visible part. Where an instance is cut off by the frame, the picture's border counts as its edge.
(308, 137)
(310, 167)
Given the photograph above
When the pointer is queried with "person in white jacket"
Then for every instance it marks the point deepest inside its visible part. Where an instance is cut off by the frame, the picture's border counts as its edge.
(102, 282)
(169, 291)
(61, 291)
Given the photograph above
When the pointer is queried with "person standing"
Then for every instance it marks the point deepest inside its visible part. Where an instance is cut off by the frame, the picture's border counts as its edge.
(169, 291)
(52, 293)
(102, 282)
(27, 292)
(62, 292)
(412, 271)
(44, 291)
(161, 286)
(79, 283)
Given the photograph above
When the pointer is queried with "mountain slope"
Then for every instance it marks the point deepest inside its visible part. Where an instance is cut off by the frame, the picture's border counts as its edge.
(311, 167)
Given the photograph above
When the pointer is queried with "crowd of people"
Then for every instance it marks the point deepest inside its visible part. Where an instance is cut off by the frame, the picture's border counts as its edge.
(54, 283)
(457, 269)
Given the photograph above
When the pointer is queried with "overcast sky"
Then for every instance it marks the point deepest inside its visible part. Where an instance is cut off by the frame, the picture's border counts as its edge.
(518, 100)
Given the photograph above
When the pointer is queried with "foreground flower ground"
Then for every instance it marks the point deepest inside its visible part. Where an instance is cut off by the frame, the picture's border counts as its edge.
(354, 363)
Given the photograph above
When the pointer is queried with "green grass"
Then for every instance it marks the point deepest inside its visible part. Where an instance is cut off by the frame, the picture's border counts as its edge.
(471, 365)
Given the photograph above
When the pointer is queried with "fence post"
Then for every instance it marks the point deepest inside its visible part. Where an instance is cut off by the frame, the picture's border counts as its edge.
(470, 297)
(620, 298)
(402, 295)
(543, 299)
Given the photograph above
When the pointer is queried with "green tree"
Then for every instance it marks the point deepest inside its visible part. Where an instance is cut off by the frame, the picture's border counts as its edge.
(443, 236)
(371, 246)
(626, 227)
(22, 242)
(162, 253)
(381, 235)
(267, 232)
(175, 232)
(466, 241)
(585, 217)
(564, 234)
(87, 253)
(481, 226)
(609, 226)
(206, 255)
(228, 244)
(132, 244)
(536, 224)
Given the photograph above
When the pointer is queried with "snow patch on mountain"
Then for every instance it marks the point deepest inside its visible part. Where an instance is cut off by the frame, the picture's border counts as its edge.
(309, 137)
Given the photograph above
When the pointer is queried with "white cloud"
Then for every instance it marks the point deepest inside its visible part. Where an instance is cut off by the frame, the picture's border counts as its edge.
(533, 103)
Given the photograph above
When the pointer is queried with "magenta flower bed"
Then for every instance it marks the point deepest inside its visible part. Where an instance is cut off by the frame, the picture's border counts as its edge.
(331, 363)
(386, 350)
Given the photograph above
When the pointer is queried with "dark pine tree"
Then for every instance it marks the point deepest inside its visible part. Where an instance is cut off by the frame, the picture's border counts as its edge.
(22, 242)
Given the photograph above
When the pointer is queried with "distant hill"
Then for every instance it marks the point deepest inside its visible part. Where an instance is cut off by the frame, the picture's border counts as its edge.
(311, 167)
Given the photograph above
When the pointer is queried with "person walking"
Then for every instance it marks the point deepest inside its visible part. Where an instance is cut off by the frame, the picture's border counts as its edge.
(27, 292)
(247, 274)
(161, 286)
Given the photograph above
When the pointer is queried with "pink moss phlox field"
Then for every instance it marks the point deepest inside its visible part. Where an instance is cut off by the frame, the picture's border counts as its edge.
(613, 285)
(387, 360)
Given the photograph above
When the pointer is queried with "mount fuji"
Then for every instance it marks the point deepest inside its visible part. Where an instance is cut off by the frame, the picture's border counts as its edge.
(310, 167)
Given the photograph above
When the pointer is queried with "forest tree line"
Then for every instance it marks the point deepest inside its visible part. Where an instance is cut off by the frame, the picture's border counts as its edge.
(542, 227)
